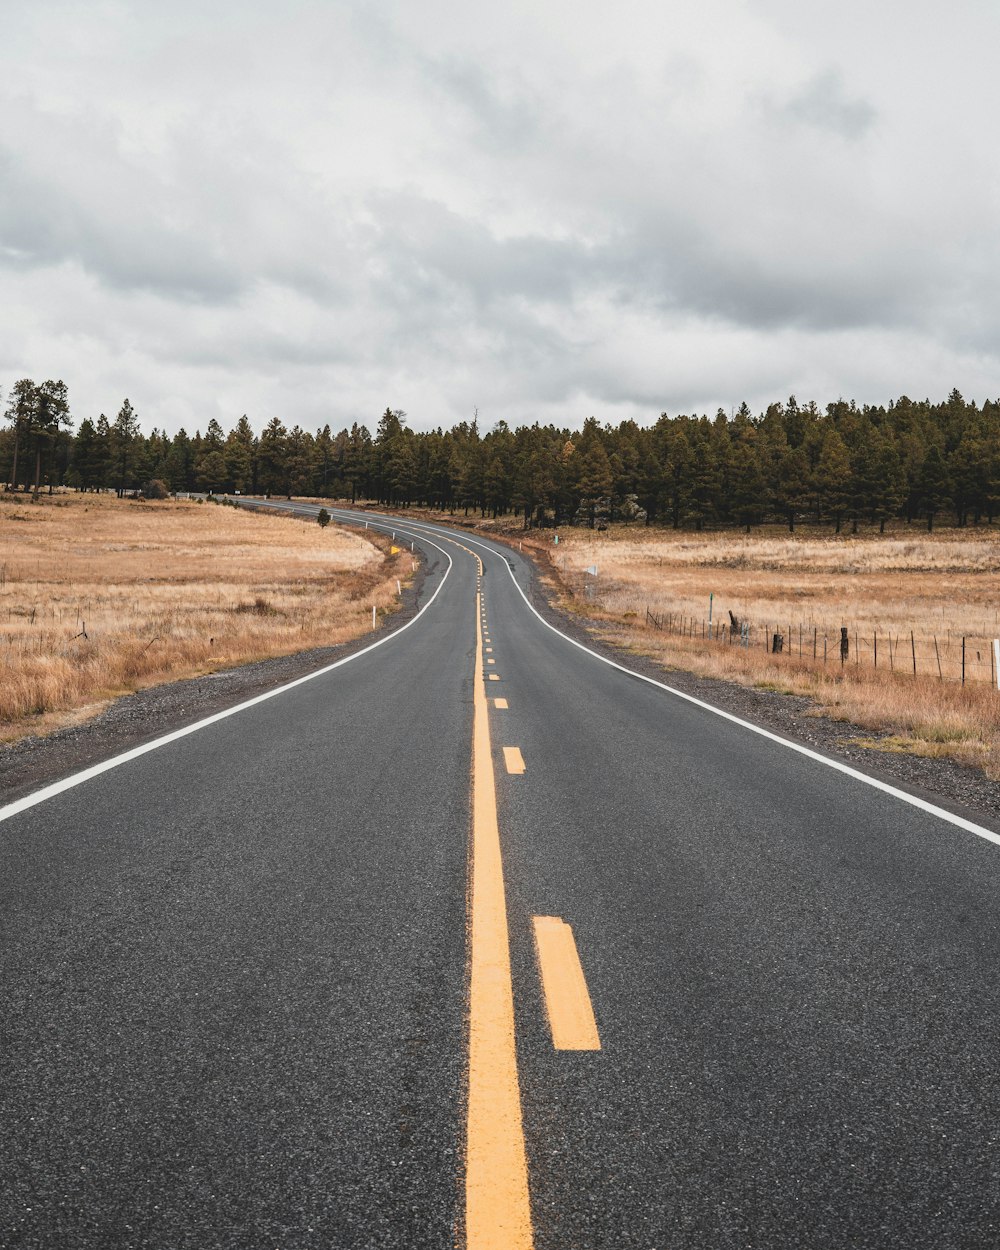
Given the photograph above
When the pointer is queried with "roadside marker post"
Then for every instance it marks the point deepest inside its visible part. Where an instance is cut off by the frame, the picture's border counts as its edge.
(996, 660)
(373, 616)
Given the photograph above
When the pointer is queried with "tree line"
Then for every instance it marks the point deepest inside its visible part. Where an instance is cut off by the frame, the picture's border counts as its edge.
(843, 464)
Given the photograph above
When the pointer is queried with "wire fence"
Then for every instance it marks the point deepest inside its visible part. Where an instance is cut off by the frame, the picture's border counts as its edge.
(951, 657)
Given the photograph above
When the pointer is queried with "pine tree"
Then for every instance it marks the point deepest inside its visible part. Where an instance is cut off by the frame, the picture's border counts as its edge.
(125, 435)
(933, 486)
(792, 484)
(831, 478)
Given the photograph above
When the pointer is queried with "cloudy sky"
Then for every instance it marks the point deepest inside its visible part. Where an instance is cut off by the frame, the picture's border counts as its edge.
(543, 210)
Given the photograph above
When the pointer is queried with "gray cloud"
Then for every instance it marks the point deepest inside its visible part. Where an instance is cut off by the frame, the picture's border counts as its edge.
(824, 104)
(529, 208)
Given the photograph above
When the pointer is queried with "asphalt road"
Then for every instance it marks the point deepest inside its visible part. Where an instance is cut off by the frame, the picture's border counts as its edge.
(235, 998)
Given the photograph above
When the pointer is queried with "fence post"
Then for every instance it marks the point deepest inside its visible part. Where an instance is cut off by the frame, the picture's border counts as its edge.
(845, 645)
(938, 655)
(815, 639)
(963, 659)
(995, 662)
(875, 645)
(913, 651)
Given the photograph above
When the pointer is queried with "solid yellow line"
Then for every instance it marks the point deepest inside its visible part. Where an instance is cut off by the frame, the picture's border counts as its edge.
(567, 999)
(514, 760)
(497, 1206)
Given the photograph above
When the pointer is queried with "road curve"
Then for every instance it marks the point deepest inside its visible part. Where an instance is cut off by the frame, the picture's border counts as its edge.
(753, 997)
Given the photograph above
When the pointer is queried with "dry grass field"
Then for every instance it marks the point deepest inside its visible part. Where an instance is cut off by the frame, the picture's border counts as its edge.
(939, 588)
(101, 596)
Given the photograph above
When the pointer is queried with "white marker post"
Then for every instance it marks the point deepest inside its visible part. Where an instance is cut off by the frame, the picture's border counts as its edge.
(373, 616)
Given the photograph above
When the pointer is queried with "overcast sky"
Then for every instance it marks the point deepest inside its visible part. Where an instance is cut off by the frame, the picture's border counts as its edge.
(547, 210)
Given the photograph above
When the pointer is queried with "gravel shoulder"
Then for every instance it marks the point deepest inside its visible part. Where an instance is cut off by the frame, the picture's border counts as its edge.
(137, 718)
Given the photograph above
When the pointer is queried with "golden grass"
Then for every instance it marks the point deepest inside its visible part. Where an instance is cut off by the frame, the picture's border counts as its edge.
(101, 596)
(940, 587)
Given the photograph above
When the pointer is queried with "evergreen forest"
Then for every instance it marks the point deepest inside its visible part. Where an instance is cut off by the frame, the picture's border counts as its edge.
(842, 465)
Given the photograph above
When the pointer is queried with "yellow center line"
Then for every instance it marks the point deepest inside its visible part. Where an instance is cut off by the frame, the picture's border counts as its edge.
(514, 760)
(567, 1000)
(497, 1206)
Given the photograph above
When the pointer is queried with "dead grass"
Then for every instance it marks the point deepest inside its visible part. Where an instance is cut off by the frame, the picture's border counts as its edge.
(101, 596)
(939, 586)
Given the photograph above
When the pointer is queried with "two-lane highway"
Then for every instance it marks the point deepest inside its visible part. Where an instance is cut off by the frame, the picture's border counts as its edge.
(478, 937)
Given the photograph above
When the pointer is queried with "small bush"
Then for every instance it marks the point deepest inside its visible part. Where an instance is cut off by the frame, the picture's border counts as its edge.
(323, 517)
(259, 607)
(155, 489)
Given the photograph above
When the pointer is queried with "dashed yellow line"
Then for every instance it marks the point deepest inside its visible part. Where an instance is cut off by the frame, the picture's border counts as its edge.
(500, 703)
(497, 1205)
(514, 760)
(567, 999)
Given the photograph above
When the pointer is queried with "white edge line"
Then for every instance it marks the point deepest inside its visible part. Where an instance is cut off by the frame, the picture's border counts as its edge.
(931, 808)
(77, 779)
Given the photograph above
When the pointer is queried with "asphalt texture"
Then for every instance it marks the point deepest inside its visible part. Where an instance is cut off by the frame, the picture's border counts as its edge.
(235, 971)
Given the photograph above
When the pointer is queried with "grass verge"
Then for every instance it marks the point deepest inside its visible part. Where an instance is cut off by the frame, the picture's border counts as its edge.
(100, 597)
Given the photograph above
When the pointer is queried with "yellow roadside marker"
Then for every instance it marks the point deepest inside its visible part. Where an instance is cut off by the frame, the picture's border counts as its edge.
(567, 999)
(514, 760)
